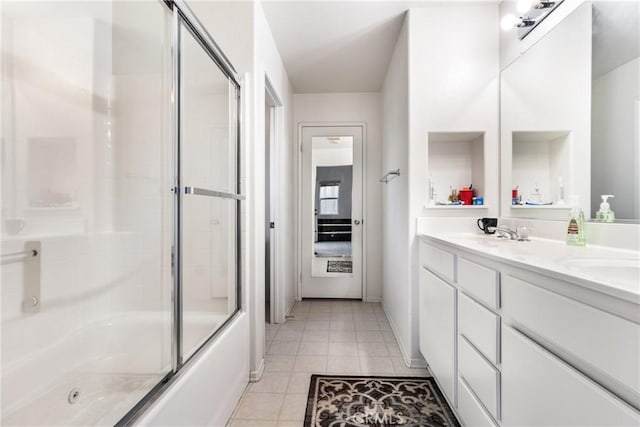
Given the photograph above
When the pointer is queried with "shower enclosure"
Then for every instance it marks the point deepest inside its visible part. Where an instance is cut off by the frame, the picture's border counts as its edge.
(120, 203)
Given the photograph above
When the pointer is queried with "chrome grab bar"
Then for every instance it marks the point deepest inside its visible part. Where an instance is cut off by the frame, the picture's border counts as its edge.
(211, 193)
(18, 256)
(31, 276)
(388, 176)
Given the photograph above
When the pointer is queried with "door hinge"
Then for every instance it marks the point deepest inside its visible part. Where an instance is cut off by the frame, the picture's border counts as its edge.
(301, 148)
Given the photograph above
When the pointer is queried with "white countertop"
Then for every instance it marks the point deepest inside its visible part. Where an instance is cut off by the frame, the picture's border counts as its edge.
(615, 272)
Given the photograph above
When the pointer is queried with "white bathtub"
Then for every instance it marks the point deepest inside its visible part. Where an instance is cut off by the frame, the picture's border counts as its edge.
(112, 363)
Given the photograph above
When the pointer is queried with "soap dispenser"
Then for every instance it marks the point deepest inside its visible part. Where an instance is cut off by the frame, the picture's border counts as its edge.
(605, 214)
(575, 228)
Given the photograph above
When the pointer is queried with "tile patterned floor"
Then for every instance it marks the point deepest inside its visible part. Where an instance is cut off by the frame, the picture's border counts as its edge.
(324, 337)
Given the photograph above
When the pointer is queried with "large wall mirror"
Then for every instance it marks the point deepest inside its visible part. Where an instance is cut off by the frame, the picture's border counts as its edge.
(570, 116)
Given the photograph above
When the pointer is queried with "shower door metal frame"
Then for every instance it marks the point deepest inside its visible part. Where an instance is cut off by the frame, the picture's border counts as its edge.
(183, 16)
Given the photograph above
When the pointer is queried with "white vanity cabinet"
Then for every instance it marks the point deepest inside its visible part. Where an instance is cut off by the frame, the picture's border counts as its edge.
(522, 347)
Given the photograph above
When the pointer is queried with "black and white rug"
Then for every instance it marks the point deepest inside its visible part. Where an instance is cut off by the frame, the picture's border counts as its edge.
(339, 267)
(351, 401)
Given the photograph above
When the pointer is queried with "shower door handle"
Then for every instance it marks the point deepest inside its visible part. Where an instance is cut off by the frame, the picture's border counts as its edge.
(212, 193)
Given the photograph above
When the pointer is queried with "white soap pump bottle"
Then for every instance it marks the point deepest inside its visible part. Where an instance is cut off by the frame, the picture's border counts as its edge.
(605, 214)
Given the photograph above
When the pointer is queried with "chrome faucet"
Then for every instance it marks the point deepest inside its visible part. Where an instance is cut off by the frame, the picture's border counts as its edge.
(506, 231)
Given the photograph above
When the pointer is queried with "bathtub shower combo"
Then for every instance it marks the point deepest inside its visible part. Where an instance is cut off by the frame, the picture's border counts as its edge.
(120, 205)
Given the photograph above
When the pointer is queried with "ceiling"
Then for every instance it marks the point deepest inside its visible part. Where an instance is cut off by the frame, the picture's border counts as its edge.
(336, 46)
(616, 34)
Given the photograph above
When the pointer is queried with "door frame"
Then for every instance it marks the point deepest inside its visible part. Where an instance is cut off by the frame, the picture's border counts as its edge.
(299, 252)
(277, 132)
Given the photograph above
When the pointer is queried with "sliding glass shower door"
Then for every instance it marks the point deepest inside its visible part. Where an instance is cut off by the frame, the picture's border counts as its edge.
(86, 209)
(119, 215)
(208, 151)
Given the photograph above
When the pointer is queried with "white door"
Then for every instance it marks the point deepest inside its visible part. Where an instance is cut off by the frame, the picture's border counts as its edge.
(331, 212)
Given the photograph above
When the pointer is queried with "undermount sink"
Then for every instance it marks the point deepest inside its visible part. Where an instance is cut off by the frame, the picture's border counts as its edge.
(617, 270)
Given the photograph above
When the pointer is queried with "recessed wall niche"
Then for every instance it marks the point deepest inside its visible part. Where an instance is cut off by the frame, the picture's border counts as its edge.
(455, 161)
(52, 179)
(541, 168)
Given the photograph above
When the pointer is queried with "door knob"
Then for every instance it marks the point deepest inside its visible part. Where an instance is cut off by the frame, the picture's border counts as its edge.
(356, 222)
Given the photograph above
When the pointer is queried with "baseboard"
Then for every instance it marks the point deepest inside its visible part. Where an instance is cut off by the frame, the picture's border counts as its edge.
(410, 362)
(373, 299)
(254, 376)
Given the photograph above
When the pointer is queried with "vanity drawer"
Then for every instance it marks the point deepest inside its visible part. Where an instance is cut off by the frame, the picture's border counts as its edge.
(437, 260)
(480, 326)
(606, 346)
(538, 389)
(470, 410)
(479, 281)
(480, 375)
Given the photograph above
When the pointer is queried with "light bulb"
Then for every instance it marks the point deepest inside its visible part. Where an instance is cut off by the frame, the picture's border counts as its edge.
(524, 5)
(509, 21)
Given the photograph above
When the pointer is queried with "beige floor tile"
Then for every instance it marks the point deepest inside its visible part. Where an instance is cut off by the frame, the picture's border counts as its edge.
(279, 363)
(402, 369)
(365, 317)
(283, 348)
(376, 365)
(343, 349)
(388, 337)
(293, 408)
(384, 325)
(317, 336)
(296, 325)
(288, 335)
(290, 424)
(311, 348)
(342, 336)
(251, 423)
(260, 406)
(342, 325)
(317, 325)
(343, 365)
(372, 349)
(313, 364)
(319, 316)
(342, 316)
(394, 350)
(299, 382)
(366, 325)
(369, 336)
(320, 307)
(271, 382)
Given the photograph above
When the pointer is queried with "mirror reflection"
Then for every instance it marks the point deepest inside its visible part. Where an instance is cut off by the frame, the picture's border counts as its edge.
(615, 107)
(331, 184)
(570, 113)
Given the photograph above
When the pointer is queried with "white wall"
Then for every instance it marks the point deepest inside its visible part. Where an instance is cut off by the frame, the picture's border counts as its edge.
(395, 196)
(453, 86)
(267, 64)
(356, 107)
(616, 139)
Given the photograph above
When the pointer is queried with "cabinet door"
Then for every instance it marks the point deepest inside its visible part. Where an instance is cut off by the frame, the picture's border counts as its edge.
(538, 389)
(438, 330)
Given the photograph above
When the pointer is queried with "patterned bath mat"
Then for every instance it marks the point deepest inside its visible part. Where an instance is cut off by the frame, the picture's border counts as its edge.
(352, 401)
(339, 266)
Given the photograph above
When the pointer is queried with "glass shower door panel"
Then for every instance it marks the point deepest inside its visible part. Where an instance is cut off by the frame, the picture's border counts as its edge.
(86, 155)
(208, 268)
(208, 174)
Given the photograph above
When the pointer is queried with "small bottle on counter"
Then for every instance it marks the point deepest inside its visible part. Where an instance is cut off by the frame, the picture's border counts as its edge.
(575, 228)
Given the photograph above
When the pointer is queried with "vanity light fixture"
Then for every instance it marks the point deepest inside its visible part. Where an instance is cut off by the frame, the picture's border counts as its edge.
(531, 14)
